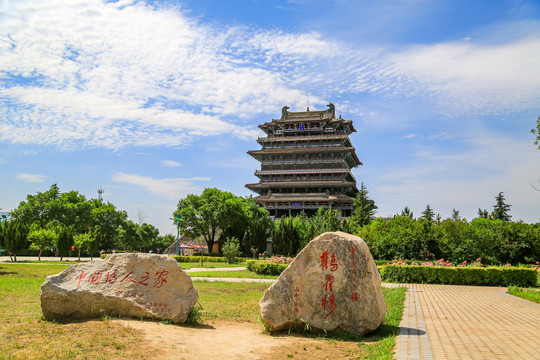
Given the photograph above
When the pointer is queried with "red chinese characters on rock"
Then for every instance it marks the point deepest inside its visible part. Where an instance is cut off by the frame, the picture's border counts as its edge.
(329, 301)
(97, 278)
(156, 307)
(354, 277)
(80, 277)
(111, 278)
(296, 302)
(161, 278)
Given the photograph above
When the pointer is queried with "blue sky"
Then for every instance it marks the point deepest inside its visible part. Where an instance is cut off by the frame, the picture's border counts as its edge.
(153, 100)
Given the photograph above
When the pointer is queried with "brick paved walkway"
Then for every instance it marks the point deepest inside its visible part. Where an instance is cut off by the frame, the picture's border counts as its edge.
(467, 322)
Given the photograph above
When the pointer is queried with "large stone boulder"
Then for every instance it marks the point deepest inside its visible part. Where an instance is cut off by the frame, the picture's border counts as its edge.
(332, 284)
(132, 285)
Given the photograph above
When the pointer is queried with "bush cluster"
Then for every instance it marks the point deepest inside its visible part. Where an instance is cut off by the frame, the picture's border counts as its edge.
(205, 254)
(265, 267)
(497, 242)
(481, 276)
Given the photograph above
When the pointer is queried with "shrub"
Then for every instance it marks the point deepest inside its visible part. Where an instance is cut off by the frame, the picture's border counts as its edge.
(231, 249)
(205, 254)
(265, 267)
(490, 276)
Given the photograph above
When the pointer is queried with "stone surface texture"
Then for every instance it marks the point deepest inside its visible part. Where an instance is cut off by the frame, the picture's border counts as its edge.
(333, 284)
(133, 285)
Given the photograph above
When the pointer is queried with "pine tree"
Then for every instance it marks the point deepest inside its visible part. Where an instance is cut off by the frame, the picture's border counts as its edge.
(407, 212)
(364, 207)
(428, 214)
(484, 214)
(455, 215)
(501, 208)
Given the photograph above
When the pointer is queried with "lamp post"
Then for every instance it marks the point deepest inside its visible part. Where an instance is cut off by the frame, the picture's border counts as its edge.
(178, 221)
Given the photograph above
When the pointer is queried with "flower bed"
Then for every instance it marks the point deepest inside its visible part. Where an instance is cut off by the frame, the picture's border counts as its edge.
(206, 259)
(276, 259)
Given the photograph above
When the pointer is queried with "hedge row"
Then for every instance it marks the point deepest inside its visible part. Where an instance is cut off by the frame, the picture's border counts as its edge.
(196, 253)
(489, 276)
(262, 267)
(212, 259)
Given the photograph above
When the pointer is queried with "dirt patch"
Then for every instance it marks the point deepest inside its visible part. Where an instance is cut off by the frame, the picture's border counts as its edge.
(236, 340)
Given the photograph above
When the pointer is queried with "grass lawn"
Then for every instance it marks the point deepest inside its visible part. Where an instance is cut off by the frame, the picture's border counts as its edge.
(529, 294)
(208, 265)
(52, 262)
(25, 335)
(231, 274)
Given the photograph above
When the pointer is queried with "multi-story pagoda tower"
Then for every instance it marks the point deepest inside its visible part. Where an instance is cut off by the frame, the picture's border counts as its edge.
(306, 160)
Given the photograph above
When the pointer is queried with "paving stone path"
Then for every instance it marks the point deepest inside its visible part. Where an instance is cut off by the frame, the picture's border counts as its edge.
(467, 322)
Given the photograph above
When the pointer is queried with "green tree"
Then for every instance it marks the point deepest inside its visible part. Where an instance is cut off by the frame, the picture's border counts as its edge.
(128, 236)
(105, 223)
(235, 221)
(291, 234)
(501, 208)
(13, 236)
(323, 221)
(64, 240)
(70, 209)
(536, 132)
(84, 242)
(455, 215)
(364, 207)
(163, 242)
(231, 249)
(400, 236)
(41, 238)
(428, 214)
(74, 210)
(483, 214)
(212, 213)
(407, 212)
(259, 227)
(148, 235)
(40, 208)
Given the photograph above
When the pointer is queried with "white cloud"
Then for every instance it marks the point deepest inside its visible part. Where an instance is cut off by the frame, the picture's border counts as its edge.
(468, 76)
(171, 163)
(114, 74)
(172, 188)
(161, 79)
(32, 178)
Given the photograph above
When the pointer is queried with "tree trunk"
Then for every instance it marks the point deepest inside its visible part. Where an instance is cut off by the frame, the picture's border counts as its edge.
(39, 256)
(15, 256)
(79, 255)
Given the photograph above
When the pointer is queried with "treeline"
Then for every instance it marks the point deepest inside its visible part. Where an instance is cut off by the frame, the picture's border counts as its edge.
(57, 220)
(61, 220)
(496, 241)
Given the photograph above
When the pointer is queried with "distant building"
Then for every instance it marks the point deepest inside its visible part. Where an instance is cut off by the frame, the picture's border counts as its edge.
(186, 247)
(306, 161)
(4, 216)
